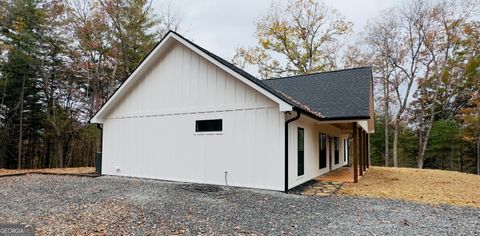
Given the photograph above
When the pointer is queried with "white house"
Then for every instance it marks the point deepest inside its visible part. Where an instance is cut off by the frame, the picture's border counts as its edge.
(187, 115)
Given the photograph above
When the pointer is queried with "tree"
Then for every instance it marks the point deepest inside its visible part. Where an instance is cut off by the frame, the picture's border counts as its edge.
(132, 23)
(114, 36)
(397, 40)
(415, 56)
(442, 150)
(56, 78)
(94, 56)
(382, 42)
(59, 61)
(441, 85)
(22, 112)
(304, 34)
(470, 114)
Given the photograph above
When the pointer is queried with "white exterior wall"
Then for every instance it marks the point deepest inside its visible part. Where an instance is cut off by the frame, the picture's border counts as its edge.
(151, 132)
(311, 149)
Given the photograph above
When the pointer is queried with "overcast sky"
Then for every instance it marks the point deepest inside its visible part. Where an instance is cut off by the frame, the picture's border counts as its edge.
(223, 25)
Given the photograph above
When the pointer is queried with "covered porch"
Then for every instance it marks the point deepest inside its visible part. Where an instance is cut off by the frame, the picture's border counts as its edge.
(337, 150)
(359, 154)
(343, 174)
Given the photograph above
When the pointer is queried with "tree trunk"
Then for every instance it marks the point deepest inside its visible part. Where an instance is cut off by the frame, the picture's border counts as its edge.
(59, 151)
(441, 162)
(20, 136)
(423, 148)
(420, 163)
(424, 139)
(385, 89)
(395, 143)
(478, 155)
(46, 161)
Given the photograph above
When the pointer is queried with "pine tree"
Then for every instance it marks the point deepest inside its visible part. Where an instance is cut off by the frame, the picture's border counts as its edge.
(22, 111)
(133, 27)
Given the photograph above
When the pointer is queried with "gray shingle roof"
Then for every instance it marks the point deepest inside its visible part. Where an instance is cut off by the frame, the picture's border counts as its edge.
(333, 94)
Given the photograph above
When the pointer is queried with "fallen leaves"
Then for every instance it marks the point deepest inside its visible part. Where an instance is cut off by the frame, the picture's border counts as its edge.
(76, 170)
(426, 186)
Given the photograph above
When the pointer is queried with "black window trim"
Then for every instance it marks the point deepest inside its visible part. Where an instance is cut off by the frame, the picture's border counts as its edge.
(323, 143)
(197, 128)
(300, 172)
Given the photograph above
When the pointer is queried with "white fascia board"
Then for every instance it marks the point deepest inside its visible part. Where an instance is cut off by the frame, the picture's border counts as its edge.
(364, 125)
(283, 106)
(337, 121)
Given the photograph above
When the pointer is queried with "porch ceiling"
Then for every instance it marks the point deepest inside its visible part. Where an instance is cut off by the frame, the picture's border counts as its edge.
(346, 128)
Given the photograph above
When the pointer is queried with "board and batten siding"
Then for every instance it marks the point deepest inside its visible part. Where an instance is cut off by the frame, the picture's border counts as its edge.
(312, 131)
(151, 132)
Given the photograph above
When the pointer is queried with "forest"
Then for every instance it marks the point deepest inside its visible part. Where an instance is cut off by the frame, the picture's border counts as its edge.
(61, 60)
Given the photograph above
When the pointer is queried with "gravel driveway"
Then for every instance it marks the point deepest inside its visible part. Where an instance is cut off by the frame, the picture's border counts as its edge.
(116, 205)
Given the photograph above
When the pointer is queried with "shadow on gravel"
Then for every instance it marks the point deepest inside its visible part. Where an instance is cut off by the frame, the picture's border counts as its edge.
(200, 188)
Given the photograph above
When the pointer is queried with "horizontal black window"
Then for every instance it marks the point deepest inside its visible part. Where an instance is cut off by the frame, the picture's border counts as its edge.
(208, 125)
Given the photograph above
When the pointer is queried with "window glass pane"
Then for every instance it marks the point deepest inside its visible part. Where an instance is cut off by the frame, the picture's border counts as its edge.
(322, 151)
(300, 139)
(345, 152)
(300, 153)
(208, 125)
(336, 145)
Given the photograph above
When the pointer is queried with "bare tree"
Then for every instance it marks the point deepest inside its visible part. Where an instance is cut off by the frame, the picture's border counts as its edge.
(169, 19)
(381, 39)
(397, 40)
(437, 86)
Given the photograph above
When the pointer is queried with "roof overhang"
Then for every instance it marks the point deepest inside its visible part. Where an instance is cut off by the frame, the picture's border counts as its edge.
(362, 121)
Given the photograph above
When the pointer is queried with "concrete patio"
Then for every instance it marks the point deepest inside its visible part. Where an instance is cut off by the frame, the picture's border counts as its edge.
(343, 174)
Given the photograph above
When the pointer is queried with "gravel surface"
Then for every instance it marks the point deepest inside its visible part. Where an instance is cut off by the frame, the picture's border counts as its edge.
(58, 205)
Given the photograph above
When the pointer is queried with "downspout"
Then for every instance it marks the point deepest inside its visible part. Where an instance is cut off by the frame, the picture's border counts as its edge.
(286, 148)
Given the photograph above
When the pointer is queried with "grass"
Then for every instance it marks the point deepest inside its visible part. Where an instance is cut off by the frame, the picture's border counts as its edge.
(76, 170)
(425, 186)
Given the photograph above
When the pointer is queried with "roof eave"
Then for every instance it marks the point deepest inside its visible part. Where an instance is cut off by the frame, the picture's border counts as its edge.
(339, 118)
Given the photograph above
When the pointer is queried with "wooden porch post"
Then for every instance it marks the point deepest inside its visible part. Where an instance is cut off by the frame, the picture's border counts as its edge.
(355, 151)
(367, 139)
(365, 162)
(360, 133)
(363, 153)
(330, 141)
(368, 148)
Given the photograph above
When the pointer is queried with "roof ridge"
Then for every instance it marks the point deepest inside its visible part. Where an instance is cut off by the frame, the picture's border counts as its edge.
(321, 72)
